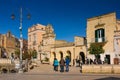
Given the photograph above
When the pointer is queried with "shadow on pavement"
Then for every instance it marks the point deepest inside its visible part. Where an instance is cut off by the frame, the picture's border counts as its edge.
(109, 78)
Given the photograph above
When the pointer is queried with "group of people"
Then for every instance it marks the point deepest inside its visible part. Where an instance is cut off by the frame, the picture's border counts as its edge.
(61, 63)
(95, 61)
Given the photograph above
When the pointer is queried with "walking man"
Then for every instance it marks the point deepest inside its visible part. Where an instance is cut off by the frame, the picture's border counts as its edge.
(67, 61)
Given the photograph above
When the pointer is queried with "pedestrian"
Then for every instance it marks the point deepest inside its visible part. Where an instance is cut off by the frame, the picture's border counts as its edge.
(26, 65)
(62, 64)
(67, 61)
(4, 55)
(55, 64)
(80, 66)
(80, 63)
(12, 58)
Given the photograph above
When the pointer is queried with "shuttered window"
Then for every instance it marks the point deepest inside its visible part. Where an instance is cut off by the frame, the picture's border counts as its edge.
(99, 34)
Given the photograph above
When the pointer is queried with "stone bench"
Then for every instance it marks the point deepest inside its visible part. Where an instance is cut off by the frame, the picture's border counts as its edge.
(7, 61)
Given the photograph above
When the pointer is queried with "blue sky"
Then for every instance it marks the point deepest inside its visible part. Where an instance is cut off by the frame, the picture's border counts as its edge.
(68, 17)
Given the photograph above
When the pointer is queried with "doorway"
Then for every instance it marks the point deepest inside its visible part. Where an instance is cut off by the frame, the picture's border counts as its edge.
(82, 56)
(108, 58)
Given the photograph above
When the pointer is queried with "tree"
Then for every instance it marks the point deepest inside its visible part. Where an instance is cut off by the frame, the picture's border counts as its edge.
(24, 55)
(96, 49)
(17, 52)
(34, 54)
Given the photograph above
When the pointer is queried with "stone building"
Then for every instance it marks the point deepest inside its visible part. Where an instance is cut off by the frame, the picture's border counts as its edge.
(47, 43)
(51, 48)
(25, 46)
(74, 49)
(103, 30)
(35, 37)
(117, 42)
(8, 44)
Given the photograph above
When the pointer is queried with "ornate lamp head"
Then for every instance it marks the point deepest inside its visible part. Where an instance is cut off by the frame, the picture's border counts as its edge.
(29, 16)
(12, 16)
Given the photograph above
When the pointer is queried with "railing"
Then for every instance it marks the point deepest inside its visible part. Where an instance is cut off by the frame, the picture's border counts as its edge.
(102, 39)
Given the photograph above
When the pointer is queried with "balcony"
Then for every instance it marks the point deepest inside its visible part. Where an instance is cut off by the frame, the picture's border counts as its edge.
(99, 40)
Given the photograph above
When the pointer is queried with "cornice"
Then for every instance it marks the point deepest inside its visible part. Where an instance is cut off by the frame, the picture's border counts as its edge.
(35, 30)
(101, 16)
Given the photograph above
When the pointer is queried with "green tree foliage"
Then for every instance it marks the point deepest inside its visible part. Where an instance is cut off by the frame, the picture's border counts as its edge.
(17, 52)
(46, 59)
(30, 53)
(34, 54)
(26, 56)
(96, 50)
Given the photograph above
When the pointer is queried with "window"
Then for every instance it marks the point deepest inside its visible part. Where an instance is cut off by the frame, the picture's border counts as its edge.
(30, 38)
(99, 35)
(34, 37)
(30, 47)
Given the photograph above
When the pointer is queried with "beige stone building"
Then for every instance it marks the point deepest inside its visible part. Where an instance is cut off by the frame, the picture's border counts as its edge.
(48, 47)
(103, 30)
(35, 37)
(47, 43)
(74, 49)
(51, 48)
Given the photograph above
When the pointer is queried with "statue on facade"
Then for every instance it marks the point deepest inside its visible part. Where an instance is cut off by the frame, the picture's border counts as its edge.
(49, 29)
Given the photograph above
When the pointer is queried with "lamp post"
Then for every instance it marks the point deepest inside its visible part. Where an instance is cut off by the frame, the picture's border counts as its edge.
(21, 38)
(21, 42)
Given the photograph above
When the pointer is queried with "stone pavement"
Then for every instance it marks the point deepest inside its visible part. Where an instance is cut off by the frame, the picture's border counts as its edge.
(46, 68)
(45, 72)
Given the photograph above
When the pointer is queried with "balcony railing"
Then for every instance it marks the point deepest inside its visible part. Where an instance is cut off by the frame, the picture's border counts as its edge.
(99, 40)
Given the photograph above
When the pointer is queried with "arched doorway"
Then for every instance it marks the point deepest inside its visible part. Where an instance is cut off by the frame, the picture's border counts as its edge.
(82, 55)
(3, 53)
(69, 54)
(54, 54)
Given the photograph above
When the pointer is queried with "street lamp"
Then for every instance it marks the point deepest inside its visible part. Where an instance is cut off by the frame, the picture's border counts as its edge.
(21, 37)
